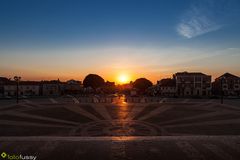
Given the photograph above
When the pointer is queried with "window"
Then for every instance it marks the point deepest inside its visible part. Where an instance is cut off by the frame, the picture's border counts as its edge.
(198, 78)
(198, 85)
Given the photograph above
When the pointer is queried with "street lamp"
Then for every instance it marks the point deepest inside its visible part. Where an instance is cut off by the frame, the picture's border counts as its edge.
(17, 79)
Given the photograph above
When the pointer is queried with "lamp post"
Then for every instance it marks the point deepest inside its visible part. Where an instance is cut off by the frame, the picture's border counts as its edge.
(17, 79)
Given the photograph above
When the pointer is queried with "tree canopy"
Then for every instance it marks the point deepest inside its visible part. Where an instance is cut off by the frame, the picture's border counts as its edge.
(93, 80)
(142, 84)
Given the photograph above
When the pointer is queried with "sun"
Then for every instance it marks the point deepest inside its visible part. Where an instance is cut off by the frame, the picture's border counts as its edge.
(123, 78)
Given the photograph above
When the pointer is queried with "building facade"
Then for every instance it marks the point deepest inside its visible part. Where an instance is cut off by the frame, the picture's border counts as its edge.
(72, 87)
(3, 81)
(50, 88)
(26, 88)
(227, 84)
(167, 87)
(192, 84)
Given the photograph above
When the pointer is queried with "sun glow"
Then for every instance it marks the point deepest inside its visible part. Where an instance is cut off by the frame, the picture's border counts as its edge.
(123, 78)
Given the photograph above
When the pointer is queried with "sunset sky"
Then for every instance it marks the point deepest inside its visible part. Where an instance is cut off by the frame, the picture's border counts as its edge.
(42, 39)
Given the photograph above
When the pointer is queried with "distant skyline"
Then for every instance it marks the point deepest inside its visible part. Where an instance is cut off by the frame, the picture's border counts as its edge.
(150, 38)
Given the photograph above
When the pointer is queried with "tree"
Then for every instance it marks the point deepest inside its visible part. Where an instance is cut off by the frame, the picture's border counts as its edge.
(93, 80)
(142, 84)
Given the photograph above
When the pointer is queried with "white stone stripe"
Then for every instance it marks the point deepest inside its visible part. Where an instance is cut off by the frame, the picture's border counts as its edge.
(29, 107)
(190, 151)
(218, 122)
(53, 100)
(155, 112)
(75, 100)
(206, 115)
(163, 100)
(21, 107)
(32, 104)
(218, 152)
(35, 124)
(8, 106)
(101, 109)
(18, 114)
(79, 110)
(137, 108)
(27, 101)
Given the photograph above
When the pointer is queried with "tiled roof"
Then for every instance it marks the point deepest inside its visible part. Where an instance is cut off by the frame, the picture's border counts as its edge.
(190, 73)
(228, 75)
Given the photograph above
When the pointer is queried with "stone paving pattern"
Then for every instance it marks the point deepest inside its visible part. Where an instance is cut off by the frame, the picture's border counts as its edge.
(167, 129)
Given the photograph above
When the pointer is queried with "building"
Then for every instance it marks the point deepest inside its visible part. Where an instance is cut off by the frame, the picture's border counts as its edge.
(72, 87)
(3, 81)
(26, 88)
(192, 84)
(167, 87)
(50, 88)
(228, 84)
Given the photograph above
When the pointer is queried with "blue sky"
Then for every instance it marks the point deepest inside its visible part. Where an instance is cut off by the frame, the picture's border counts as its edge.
(68, 39)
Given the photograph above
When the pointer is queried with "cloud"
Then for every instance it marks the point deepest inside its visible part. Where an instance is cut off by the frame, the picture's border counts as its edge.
(197, 26)
(200, 19)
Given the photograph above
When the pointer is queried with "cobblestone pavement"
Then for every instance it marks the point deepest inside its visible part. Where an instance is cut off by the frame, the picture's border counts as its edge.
(63, 127)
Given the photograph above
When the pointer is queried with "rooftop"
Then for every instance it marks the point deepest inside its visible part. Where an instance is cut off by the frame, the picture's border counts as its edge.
(190, 73)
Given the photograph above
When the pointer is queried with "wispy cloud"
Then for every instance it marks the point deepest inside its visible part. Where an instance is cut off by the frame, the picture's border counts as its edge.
(201, 18)
(197, 26)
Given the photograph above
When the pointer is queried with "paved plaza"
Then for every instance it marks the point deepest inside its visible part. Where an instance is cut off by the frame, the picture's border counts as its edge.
(116, 129)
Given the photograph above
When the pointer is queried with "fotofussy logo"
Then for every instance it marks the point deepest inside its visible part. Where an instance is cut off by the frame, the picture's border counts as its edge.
(18, 156)
(4, 155)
